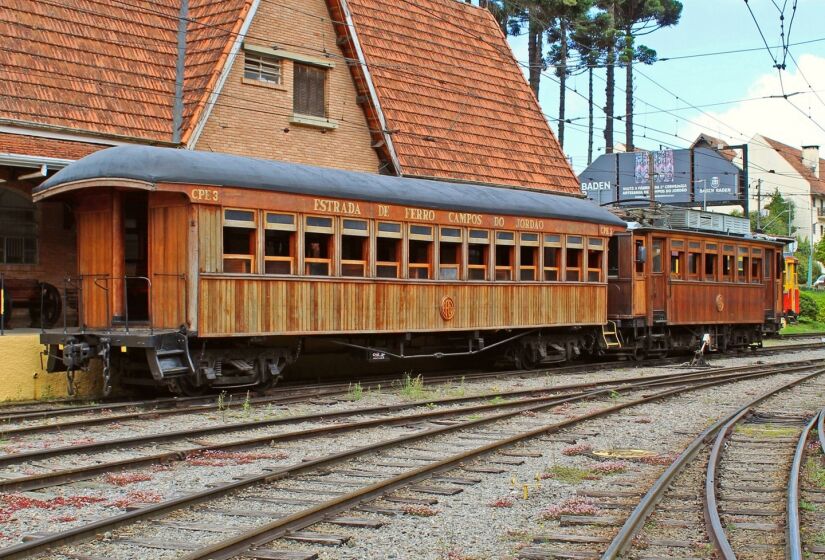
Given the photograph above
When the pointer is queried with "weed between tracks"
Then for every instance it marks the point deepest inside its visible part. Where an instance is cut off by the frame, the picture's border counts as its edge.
(750, 430)
(575, 475)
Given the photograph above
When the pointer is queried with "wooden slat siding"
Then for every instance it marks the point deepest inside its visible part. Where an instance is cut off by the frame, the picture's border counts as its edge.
(94, 256)
(233, 306)
(620, 298)
(639, 297)
(210, 229)
(168, 243)
(694, 303)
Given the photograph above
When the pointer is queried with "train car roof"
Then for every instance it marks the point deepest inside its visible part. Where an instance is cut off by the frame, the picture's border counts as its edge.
(168, 165)
(722, 236)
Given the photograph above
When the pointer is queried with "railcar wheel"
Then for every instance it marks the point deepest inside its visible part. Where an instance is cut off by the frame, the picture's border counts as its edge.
(528, 358)
(186, 387)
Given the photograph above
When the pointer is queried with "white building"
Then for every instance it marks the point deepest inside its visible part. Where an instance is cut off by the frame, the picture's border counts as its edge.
(798, 174)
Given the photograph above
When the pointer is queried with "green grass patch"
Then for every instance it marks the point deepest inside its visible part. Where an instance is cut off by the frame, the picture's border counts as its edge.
(803, 327)
(806, 506)
(412, 388)
(571, 475)
(815, 472)
(755, 430)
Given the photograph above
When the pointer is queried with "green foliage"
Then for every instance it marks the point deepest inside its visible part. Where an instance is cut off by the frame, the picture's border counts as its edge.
(412, 388)
(778, 215)
(808, 307)
(802, 253)
(356, 392)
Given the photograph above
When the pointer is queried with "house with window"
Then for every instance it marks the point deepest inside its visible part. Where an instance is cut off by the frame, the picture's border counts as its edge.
(367, 85)
(797, 173)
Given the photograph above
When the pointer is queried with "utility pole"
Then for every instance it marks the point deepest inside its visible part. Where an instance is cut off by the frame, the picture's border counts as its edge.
(759, 205)
(177, 107)
(652, 177)
(811, 249)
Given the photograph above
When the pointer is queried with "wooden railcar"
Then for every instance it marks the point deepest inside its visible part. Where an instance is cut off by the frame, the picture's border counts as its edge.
(669, 287)
(205, 269)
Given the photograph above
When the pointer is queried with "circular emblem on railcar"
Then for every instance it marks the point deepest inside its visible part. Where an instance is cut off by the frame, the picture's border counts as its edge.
(720, 303)
(447, 308)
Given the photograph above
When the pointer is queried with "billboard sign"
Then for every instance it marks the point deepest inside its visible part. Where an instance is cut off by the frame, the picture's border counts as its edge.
(708, 177)
(671, 176)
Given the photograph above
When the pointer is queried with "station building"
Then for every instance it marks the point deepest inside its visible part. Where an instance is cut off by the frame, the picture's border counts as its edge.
(363, 85)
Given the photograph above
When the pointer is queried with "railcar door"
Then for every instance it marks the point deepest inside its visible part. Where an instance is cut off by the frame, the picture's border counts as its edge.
(658, 281)
(769, 280)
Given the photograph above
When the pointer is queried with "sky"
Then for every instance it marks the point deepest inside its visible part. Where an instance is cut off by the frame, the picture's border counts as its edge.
(675, 100)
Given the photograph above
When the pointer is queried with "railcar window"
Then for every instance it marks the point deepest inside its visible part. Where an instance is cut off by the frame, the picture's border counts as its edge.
(613, 257)
(478, 253)
(355, 247)
(420, 252)
(640, 256)
(529, 257)
(388, 257)
(239, 241)
(727, 268)
(319, 241)
(573, 258)
(756, 270)
(693, 265)
(677, 259)
(657, 251)
(742, 265)
(450, 253)
(595, 259)
(279, 243)
(552, 257)
(505, 248)
(710, 266)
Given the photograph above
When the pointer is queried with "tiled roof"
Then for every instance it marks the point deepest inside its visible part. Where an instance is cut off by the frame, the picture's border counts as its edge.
(20, 144)
(715, 143)
(109, 67)
(794, 157)
(454, 97)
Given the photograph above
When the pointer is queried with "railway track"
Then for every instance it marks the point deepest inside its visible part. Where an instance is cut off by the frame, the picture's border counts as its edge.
(279, 504)
(733, 492)
(105, 412)
(144, 447)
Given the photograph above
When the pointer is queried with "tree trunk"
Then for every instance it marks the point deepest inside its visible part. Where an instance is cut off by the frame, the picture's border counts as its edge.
(608, 105)
(590, 115)
(562, 78)
(611, 83)
(535, 46)
(628, 108)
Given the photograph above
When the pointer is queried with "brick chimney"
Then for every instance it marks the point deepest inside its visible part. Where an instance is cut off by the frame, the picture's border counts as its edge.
(810, 159)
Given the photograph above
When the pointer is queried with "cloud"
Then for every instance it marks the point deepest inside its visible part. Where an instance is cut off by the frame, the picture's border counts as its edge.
(775, 118)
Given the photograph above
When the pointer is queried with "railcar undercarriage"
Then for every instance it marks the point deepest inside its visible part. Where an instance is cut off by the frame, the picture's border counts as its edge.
(188, 365)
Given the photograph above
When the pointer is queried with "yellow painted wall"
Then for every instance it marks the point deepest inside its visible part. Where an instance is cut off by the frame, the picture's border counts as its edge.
(22, 379)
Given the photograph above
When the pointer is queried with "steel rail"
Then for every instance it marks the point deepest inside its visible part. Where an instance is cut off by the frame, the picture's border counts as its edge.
(243, 426)
(712, 519)
(239, 544)
(820, 432)
(212, 405)
(24, 550)
(794, 536)
(153, 414)
(44, 480)
(634, 523)
(8, 413)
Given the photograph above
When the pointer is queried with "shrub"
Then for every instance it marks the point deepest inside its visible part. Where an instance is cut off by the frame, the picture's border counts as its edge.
(808, 307)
